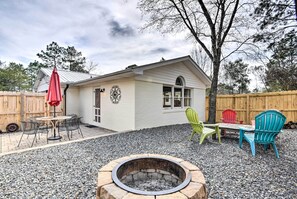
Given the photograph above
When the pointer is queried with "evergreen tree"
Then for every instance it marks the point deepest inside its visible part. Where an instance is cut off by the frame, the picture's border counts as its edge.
(52, 56)
(74, 61)
(237, 79)
(14, 78)
(64, 58)
(275, 18)
(32, 71)
(4, 83)
(281, 73)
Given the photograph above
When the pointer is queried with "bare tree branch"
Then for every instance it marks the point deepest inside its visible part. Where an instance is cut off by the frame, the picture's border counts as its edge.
(230, 22)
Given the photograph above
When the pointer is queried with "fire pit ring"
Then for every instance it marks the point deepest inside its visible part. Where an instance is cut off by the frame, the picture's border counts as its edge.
(163, 168)
(179, 178)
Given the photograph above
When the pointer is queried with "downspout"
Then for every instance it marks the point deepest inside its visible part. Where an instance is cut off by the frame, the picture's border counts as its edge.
(65, 101)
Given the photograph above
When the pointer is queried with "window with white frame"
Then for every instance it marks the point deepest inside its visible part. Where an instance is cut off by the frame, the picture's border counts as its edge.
(176, 96)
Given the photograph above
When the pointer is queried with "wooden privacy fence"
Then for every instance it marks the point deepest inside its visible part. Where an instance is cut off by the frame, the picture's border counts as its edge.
(18, 106)
(248, 106)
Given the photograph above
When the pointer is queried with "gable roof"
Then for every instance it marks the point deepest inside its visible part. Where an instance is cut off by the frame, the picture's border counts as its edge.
(66, 77)
(138, 70)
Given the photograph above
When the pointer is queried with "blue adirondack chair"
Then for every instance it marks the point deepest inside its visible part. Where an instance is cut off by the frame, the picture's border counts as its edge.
(268, 125)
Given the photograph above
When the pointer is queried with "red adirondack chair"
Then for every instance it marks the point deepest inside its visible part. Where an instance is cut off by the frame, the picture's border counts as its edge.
(229, 116)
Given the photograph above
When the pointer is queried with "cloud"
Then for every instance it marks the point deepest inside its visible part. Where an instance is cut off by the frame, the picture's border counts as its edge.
(106, 32)
(159, 50)
(117, 30)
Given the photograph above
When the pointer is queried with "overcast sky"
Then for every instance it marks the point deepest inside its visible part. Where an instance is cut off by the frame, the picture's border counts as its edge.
(106, 32)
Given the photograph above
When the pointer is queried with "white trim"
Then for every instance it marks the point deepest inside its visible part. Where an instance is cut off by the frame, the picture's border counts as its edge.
(175, 110)
(182, 97)
(162, 83)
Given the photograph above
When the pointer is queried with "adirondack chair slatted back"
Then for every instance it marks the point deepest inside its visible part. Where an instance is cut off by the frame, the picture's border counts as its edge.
(229, 116)
(268, 125)
(194, 120)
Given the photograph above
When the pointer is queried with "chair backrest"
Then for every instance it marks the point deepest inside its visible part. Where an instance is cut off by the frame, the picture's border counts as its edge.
(229, 116)
(193, 119)
(72, 115)
(267, 125)
(71, 124)
(28, 127)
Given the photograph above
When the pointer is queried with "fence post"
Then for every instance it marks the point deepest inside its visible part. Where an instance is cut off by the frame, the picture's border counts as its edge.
(266, 102)
(47, 107)
(22, 106)
(233, 102)
(247, 108)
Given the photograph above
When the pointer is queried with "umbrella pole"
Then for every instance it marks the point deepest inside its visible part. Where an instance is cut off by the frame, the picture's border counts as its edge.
(54, 116)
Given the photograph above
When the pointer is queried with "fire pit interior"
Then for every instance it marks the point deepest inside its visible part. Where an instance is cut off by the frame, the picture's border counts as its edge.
(150, 176)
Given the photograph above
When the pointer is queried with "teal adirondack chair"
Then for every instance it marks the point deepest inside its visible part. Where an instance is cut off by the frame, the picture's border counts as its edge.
(268, 125)
(198, 126)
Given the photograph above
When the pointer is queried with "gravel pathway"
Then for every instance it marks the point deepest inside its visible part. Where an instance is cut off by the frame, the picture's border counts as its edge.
(70, 171)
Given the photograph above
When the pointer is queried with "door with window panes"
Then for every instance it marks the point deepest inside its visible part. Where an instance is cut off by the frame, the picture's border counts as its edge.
(97, 106)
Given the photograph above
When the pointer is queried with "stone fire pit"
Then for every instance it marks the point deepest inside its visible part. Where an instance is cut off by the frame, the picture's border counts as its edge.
(150, 176)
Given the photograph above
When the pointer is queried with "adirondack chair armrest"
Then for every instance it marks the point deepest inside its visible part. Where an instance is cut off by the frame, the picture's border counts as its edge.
(200, 123)
(243, 130)
(211, 125)
(246, 129)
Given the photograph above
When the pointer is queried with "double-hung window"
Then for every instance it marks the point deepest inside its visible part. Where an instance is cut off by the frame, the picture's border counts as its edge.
(176, 96)
(167, 96)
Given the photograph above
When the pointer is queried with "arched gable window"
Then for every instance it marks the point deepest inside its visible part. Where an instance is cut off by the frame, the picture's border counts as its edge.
(176, 96)
(179, 81)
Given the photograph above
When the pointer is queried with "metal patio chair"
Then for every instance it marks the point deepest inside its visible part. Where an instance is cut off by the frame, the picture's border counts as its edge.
(43, 127)
(29, 128)
(71, 125)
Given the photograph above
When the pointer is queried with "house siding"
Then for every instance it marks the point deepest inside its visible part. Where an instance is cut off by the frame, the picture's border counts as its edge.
(117, 117)
(168, 75)
(149, 111)
(72, 100)
(86, 104)
(43, 84)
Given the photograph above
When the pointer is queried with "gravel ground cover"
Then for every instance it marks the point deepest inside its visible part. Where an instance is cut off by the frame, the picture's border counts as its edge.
(70, 171)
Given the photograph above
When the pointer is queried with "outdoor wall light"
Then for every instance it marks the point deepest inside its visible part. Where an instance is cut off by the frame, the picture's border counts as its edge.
(102, 90)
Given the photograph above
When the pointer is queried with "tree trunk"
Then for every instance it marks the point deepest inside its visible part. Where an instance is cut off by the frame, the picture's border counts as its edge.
(213, 91)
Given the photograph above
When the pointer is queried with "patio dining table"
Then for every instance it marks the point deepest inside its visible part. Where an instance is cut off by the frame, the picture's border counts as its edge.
(54, 121)
(231, 127)
(235, 127)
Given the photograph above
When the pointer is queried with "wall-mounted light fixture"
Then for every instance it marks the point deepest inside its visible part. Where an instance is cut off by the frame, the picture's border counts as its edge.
(102, 90)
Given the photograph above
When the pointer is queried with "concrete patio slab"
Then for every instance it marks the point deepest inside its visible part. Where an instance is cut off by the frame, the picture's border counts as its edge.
(9, 141)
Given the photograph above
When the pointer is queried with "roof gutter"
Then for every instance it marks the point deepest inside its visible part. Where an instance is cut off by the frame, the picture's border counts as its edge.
(102, 77)
(65, 101)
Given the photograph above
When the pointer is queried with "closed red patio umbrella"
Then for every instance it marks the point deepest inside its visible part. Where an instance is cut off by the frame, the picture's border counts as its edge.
(54, 96)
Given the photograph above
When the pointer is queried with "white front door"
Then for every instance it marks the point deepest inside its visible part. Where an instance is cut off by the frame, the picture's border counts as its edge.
(97, 105)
